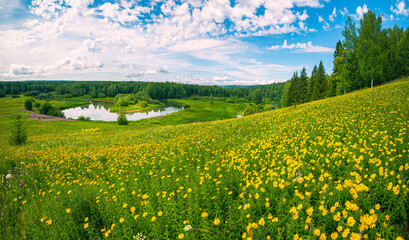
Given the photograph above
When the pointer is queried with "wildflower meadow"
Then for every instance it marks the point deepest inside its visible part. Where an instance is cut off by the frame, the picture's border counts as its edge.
(332, 169)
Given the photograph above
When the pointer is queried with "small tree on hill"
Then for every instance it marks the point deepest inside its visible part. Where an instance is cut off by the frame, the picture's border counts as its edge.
(18, 132)
(211, 99)
(28, 104)
(122, 120)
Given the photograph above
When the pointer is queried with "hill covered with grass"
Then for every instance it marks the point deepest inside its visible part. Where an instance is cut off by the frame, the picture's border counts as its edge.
(332, 169)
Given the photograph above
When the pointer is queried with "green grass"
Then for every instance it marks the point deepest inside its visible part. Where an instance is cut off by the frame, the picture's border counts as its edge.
(259, 176)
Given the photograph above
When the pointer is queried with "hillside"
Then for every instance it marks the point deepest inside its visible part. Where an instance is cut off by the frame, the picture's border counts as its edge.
(335, 168)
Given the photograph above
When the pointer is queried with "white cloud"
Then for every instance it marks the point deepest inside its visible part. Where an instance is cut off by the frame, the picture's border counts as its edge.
(325, 25)
(333, 15)
(400, 9)
(148, 71)
(345, 12)
(360, 11)
(302, 47)
(220, 79)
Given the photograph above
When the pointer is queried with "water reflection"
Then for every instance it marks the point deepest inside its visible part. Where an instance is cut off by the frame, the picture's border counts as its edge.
(99, 110)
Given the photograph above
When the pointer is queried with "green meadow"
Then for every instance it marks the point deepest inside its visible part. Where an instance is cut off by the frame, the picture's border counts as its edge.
(336, 168)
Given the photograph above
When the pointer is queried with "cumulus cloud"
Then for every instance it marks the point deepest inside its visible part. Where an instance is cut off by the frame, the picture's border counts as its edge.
(400, 9)
(302, 47)
(360, 11)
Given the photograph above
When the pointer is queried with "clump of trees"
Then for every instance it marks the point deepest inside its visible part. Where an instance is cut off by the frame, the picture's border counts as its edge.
(48, 109)
(367, 56)
(83, 118)
(124, 100)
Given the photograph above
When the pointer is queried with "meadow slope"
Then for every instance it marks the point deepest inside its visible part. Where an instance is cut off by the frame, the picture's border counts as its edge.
(332, 169)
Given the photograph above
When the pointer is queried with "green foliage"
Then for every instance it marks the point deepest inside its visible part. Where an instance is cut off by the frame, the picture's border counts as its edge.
(372, 58)
(121, 120)
(83, 118)
(249, 110)
(123, 100)
(18, 131)
(47, 108)
(28, 104)
(211, 99)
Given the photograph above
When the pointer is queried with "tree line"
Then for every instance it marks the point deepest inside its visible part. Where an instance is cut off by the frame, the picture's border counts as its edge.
(155, 90)
(367, 56)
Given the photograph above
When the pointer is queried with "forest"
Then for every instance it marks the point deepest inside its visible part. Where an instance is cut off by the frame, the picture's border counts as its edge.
(155, 90)
(367, 56)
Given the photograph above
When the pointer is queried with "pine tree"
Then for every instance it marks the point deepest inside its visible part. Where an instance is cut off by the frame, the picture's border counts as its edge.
(19, 132)
(320, 87)
(293, 91)
(313, 83)
(303, 87)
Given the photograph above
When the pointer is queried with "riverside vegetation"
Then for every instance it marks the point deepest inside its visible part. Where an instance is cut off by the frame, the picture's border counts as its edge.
(331, 169)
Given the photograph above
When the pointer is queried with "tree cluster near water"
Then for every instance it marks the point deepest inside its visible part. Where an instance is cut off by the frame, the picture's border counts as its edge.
(367, 56)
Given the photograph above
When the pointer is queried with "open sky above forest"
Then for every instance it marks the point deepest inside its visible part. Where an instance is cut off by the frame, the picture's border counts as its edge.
(218, 42)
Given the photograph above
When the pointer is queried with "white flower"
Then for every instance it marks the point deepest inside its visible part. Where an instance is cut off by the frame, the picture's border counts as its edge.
(187, 228)
(8, 176)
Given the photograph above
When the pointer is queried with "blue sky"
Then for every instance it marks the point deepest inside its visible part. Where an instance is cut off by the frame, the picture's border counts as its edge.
(219, 42)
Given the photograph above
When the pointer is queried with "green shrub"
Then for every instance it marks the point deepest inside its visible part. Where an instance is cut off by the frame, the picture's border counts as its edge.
(18, 132)
(186, 106)
(122, 120)
(83, 118)
(46, 108)
(28, 104)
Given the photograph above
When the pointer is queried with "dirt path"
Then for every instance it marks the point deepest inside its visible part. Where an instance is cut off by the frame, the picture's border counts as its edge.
(39, 117)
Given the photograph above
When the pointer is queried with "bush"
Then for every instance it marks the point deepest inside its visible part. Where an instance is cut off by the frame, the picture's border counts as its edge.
(249, 110)
(36, 104)
(18, 132)
(122, 120)
(31, 93)
(15, 96)
(154, 101)
(269, 107)
(2, 94)
(186, 106)
(46, 108)
(83, 118)
(28, 104)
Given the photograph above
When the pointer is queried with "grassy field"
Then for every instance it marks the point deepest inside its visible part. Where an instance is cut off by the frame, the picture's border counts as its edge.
(332, 169)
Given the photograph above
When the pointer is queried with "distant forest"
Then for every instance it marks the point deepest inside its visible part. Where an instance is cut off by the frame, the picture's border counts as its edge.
(155, 90)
